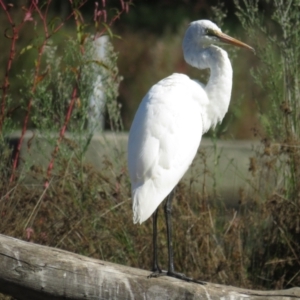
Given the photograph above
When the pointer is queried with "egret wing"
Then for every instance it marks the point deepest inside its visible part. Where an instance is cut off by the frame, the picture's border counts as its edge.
(163, 140)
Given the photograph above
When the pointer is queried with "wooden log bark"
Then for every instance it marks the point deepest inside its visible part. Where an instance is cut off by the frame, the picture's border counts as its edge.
(31, 271)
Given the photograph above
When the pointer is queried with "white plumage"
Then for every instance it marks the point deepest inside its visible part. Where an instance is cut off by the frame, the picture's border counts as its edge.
(167, 131)
(170, 121)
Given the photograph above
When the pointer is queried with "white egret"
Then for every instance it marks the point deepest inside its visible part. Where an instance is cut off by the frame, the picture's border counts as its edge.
(169, 123)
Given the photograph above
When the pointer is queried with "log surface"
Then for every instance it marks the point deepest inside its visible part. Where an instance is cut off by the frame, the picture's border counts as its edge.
(31, 271)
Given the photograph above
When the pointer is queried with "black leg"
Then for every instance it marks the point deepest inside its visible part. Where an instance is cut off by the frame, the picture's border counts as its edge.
(155, 267)
(171, 271)
(156, 270)
(168, 213)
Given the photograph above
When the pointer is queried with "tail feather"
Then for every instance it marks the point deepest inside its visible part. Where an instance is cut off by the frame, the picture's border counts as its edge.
(146, 199)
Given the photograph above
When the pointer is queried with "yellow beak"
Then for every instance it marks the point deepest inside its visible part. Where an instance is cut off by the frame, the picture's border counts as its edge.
(231, 41)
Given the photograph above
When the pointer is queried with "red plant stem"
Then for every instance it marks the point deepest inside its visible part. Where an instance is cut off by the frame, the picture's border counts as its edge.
(29, 106)
(68, 115)
(125, 8)
(63, 23)
(33, 89)
(43, 17)
(6, 78)
(36, 77)
(15, 36)
(61, 135)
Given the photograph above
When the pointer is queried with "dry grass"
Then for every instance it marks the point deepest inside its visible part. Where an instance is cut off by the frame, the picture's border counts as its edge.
(89, 212)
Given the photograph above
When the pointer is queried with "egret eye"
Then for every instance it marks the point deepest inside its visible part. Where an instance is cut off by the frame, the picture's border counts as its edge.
(209, 31)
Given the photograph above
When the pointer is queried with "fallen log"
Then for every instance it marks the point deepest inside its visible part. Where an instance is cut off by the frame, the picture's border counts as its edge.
(31, 271)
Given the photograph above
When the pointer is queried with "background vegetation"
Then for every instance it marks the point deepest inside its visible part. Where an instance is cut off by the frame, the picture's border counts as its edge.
(46, 83)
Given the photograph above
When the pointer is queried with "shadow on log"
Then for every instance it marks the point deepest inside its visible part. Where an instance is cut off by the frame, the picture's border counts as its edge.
(31, 271)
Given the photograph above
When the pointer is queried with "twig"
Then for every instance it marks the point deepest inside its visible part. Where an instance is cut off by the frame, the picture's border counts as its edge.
(35, 208)
(43, 17)
(14, 37)
(125, 6)
(61, 135)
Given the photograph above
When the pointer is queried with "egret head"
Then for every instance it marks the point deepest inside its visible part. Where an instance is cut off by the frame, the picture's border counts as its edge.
(202, 34)
(199, 33)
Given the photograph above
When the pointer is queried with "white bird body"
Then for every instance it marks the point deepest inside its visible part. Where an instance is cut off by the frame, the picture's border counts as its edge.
(173, 116)
(168, 129)
(168, 126)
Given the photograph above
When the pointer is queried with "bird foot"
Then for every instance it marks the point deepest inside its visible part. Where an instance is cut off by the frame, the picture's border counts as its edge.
(179, 276)
(159, 272)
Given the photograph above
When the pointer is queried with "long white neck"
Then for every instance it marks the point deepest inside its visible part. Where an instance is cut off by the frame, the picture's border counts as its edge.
(218, 88)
